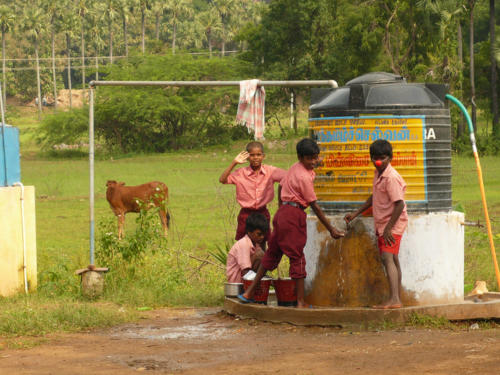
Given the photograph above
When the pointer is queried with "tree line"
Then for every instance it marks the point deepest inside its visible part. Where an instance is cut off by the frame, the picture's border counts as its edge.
(55, 28)
(446, 41)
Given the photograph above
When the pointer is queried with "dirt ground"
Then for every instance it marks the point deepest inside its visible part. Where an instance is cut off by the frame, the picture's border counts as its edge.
(207, 341)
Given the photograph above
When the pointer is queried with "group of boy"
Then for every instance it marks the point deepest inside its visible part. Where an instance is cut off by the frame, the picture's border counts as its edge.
(257, 251)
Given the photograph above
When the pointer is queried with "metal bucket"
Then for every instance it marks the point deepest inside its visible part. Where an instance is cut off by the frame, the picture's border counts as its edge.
(233, 289)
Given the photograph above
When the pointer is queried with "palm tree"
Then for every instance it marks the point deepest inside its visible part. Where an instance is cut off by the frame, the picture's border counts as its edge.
(472, 4)
(178, 9)
(53, 10)
(210, 23)
(449, 14)
(110, 8)
(34, 24)
(225, 8)
(7, 19)
(494, 94)
(158, 8)
(125, 7)
(143, 5)
(70, 23)
(97, 41)
(82, 8)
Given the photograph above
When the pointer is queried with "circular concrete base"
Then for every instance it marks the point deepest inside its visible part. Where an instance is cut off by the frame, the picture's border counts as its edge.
(360, 316)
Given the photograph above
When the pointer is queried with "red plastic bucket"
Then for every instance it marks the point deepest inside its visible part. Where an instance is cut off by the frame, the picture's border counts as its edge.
(261, 291)
(286, 294)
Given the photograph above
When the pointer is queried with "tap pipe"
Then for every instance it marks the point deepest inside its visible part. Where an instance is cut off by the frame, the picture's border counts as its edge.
(25, 271)
(332, 83)
(481, 184)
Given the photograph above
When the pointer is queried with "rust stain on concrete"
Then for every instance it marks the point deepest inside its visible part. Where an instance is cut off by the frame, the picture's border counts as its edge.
(350, 272)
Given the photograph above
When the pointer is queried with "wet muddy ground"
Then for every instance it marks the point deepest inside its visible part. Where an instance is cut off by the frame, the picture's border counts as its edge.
(206, 341)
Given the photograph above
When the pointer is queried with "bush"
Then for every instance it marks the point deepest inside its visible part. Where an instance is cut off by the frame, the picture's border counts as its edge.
(157, 119)
(64, 128)
(160, 119)
(145, 272)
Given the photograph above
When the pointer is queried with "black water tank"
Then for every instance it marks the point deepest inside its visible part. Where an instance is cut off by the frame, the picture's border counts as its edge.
(414, 117)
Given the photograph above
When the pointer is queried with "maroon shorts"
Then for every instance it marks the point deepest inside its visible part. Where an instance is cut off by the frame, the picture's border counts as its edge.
(242, 218)
(393, 249)
(289, 237)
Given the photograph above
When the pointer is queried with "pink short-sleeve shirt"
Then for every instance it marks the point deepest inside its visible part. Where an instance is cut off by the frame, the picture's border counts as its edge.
(255, 189)
(298, 185)
(239, 259)
(388, 189)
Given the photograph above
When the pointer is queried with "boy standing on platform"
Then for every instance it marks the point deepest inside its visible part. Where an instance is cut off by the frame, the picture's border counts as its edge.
(254, 184)
(289, 225)
(389, 216)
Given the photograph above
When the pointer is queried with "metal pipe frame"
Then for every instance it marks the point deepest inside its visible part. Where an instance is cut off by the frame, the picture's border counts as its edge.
(94, 84)
(330, 82)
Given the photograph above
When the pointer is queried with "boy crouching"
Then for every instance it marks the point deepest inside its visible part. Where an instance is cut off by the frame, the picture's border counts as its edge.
(246, 253)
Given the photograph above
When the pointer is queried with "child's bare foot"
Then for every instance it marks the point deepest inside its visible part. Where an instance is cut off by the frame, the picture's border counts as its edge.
(303, 305)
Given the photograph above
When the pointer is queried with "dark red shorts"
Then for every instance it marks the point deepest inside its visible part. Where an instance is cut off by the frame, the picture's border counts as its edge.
(289, 237)
(394, 249)
(242, 218)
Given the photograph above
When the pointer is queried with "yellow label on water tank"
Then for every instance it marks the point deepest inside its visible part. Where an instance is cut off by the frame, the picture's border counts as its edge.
(346, 172)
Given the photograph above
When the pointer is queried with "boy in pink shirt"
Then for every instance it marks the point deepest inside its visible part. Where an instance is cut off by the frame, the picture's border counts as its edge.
(389, 215)
(289, 224)
(246, 254)
(254, 184)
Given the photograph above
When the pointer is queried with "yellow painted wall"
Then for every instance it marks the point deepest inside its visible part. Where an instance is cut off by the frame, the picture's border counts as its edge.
(11, 240)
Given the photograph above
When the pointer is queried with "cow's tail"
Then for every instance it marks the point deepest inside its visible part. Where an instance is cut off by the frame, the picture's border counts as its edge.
(165, 203)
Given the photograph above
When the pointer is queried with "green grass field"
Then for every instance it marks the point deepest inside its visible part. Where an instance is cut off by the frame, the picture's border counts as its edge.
(203, 213)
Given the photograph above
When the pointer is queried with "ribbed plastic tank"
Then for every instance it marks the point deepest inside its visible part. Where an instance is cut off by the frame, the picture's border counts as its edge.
(10, 167)
(414, 117)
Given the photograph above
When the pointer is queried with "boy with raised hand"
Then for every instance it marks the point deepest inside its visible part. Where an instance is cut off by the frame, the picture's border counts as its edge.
(289, 224)
(246, 254)
(389, 216)
(254, 184)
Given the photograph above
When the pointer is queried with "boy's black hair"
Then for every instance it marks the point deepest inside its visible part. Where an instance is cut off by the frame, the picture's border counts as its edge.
(307, 147)
(253, 145)
(381, 147)
(256, 221)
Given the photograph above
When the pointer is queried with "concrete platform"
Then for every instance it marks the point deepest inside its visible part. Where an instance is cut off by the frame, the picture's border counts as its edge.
(489, 309)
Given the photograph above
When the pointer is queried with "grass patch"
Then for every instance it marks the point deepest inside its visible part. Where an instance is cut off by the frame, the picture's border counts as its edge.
(35, 315)
(466, 195)
(427, 321)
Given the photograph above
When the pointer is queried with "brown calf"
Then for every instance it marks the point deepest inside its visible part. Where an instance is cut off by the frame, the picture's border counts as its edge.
(123, 199)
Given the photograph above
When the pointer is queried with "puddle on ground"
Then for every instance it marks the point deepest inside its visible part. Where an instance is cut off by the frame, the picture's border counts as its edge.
(186, 332)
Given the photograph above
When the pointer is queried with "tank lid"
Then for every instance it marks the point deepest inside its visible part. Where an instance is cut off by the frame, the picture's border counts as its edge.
(376, 77)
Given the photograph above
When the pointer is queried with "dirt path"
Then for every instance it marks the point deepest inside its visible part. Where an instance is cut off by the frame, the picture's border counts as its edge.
(204, 341)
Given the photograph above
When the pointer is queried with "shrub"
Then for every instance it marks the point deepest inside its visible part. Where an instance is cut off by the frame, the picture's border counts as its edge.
(159, 119)
(65, 127)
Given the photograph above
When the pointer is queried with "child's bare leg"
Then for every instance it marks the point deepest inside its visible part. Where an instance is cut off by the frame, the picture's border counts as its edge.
(251, 289)
(256, 259)
(299, 285)
(393, 277)
(398, 266)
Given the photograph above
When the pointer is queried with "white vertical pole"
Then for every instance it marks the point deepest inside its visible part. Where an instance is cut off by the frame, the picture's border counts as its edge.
(291, 110)
(91, 171)
(3, 137)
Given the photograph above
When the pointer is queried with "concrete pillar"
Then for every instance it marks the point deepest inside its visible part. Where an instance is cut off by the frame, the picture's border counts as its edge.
(11, 240)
